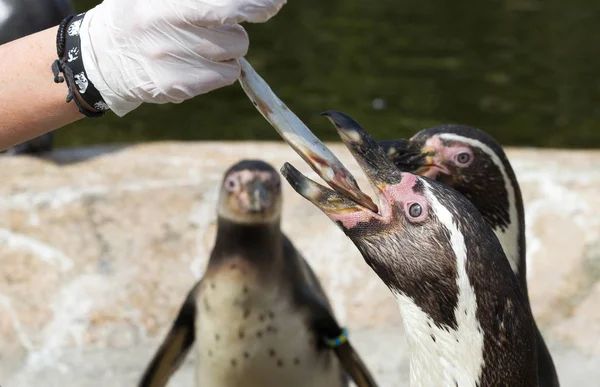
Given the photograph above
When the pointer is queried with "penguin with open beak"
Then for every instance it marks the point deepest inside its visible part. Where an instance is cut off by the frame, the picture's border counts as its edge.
(259, 316)
(466, 320)
(472, 162)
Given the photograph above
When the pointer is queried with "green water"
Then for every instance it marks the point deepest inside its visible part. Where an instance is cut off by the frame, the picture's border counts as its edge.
(526, 71)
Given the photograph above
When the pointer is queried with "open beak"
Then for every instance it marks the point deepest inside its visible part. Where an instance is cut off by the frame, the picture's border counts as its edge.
(377, 167)
(345, 195)
(300, 138)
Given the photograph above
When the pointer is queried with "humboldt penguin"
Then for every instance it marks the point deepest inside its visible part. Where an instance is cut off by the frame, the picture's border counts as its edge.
(474, 163)
(259, 316)
(19, 18)
(467, 322)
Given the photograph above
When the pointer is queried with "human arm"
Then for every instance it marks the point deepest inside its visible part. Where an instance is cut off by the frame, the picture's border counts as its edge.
(31, 104)
(133, 52)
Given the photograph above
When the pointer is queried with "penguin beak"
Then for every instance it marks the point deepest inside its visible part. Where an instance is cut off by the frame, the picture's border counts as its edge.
(411, 156)
(376, 165)
(258, 196)
(300, 138)
(407, 155)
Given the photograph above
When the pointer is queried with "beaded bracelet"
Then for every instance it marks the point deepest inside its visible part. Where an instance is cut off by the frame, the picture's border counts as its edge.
(70, 64)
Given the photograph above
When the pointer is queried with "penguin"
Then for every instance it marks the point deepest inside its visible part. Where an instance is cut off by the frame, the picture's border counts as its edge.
(474, 163)
(19, 18)
(259, 316)
(467, 322)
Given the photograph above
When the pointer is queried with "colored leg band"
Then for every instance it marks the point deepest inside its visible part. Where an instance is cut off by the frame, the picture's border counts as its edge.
(336, 342)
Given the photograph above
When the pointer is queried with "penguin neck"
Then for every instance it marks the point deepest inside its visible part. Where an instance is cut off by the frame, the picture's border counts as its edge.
(258, 243)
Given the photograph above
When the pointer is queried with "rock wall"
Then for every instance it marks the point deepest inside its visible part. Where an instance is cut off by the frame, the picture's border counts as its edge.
(99, 247)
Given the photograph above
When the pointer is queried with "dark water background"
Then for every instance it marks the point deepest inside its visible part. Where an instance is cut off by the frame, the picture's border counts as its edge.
(526, 71)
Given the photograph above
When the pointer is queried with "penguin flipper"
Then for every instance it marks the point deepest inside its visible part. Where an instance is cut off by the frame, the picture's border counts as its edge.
(327, 328)
(175, 347)
(354, 366)
(310, 294)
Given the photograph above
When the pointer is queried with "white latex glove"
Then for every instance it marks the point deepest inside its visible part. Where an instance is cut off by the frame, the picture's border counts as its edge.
(161, 51)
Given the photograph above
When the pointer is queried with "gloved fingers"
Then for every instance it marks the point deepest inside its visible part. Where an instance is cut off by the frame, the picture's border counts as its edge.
(217, 44)
(216, 12)
(195, 80)
(160, 51)
(216, 75)
(221, 43)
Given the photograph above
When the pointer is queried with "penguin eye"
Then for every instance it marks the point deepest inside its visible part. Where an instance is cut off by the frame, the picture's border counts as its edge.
(415, 210)
(231, 184)
(463, 158)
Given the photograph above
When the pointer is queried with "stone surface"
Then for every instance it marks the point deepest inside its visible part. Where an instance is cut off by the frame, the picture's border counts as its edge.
(100, 246)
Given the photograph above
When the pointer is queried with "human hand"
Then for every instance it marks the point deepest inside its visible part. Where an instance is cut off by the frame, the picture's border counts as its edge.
(160, 51)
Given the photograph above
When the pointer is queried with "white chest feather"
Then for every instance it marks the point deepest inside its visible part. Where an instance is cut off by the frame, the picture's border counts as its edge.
(445, 356)
(249, 334)
(509, 239)
(440, 356)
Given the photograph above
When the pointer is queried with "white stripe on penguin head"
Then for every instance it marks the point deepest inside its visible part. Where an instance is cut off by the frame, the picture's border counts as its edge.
(509, 239)
(443, 356)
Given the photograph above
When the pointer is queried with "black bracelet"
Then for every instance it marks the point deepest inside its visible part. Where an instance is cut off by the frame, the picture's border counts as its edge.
(70, 63)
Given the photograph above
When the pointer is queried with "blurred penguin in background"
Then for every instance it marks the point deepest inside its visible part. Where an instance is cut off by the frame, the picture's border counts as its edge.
(19, 18)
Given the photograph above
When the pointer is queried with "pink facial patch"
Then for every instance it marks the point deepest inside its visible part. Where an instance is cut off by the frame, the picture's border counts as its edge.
(405, 193)
(236, 180)
(388, 197)
(445, 153)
